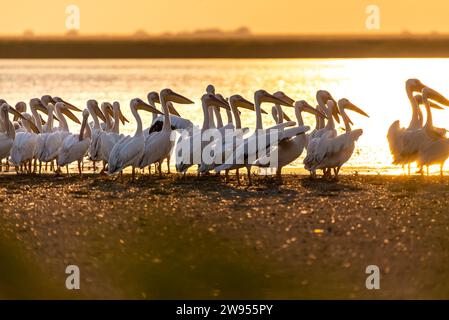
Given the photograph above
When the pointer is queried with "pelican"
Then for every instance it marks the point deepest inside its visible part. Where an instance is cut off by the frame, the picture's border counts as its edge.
(96, 131)
(326, 104)
(436, 149)
(259, 141)
(176, 121)
(229, 142)
(24, 146)
(109, 139)
(334, 151)
(159, 144)
(401, 140)
(128, 151)
(75, 146)
(7, 137)
(289, 150)
(54, 139)
(195, 150)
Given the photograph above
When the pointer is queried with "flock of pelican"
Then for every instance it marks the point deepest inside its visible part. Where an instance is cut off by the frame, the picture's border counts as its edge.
(29, 141)
(421, 142)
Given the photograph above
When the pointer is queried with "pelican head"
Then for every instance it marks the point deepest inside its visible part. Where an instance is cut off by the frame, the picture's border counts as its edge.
(85, 113)
(7, 108)
(92, 106)
(65, 110)
(323, 96)
(37, 104)
(68, 104)
(21, 106)
(428, 93)
(170, 95)
(348, 105)
(46, 99)
(240, 102)
(116, 108)
(302, 105)
(153, 98)
(281, 95)
(210, 89)
(419, 100)
(210, 99)
(139, 104)
(414, 85)
(263, 96)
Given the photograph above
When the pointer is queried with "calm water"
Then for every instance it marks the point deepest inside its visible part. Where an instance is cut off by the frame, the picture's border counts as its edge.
(375, 85)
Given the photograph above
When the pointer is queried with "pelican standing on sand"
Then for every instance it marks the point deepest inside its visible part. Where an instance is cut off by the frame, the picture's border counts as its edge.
(436, 150)
(74, 147)
(334, 151)
(246, 156)
(128, 151)
(289, 150)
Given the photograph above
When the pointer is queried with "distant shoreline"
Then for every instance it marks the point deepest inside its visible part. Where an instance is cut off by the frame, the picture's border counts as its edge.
(202, 48)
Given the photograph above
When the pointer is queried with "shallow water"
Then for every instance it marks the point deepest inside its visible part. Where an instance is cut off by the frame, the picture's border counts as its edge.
(375, 85)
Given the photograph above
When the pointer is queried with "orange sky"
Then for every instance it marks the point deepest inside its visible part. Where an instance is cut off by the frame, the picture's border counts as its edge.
(261, 16)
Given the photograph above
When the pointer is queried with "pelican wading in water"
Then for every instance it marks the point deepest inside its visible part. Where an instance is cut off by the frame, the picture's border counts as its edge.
(128, 151)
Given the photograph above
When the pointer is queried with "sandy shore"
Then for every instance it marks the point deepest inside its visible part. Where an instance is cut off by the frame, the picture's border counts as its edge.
(202, 238)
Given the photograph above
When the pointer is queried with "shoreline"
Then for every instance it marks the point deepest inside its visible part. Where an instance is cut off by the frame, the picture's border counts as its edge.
(203, 238)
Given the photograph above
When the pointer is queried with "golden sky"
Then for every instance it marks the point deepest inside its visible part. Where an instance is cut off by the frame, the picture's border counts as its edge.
(261, 16)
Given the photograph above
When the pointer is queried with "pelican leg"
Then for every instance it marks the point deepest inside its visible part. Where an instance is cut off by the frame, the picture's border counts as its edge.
(52, 165)
(104, 166)
(17, 169)
(1, 165)
(30, 166)
(160, 168)
(79, 168)
(46, 166)
(226, 175)
(35, 165)
(133, 175)
(279, 175)
(168, 164)
(94, 167)
(248, 170)
(40, 167)
(237, 174)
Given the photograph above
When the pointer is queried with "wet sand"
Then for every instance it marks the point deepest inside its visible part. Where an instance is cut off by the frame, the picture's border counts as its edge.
(203, 238)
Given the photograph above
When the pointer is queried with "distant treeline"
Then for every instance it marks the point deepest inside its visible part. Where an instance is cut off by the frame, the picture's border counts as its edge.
(315, 47)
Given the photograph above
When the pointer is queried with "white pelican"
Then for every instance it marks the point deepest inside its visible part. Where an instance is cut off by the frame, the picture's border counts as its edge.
(7, 137)
(334, 151)
(436, 150)
(401, 140)
(177, 122)
(24, 146)
(109, 139)
(54, 139)
(326, 104)
(128, 151)
(159, 144)
(75, 146)
(195, 150)
(257, 144)
(229, 142)
(95, 143)
(289, 150)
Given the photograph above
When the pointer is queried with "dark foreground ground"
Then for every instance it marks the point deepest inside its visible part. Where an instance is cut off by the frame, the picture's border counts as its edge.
(201, 238)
